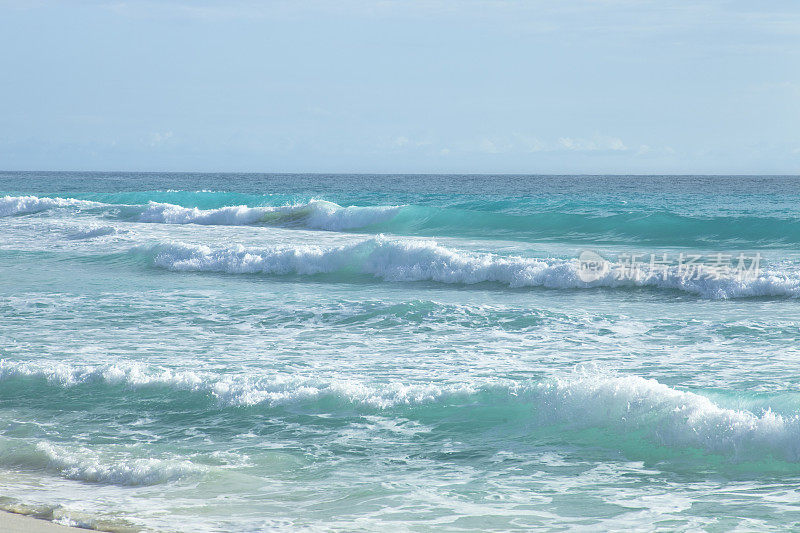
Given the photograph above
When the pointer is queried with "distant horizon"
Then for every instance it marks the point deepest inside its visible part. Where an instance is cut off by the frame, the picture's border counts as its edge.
(488, 174)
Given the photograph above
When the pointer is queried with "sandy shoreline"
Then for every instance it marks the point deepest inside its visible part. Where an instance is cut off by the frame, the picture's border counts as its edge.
(17, 523)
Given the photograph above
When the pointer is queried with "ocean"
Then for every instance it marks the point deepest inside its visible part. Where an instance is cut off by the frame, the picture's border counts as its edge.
(250, 352)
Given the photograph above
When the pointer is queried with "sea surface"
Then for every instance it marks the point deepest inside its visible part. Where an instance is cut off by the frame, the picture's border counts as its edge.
(236, 352)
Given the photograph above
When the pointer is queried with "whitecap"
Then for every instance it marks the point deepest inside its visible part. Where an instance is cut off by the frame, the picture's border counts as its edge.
(20, 205)
(425, 260)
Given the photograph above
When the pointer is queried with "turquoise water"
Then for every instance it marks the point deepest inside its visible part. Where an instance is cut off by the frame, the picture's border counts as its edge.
(215, 352)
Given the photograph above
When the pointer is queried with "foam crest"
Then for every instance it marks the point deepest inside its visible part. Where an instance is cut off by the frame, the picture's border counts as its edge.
(234, 390)
(20, 205)
(68, 375)
(305, 259)
(330, 216)
(622, 404)
(84, 464)
(175, 214)
(316, 214)
(667, 415)
(425, 260)
(92, 232)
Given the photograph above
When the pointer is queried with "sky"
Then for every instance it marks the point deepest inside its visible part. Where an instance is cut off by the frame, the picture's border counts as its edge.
(392, 86)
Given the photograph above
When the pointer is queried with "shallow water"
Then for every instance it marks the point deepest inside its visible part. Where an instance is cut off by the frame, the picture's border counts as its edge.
(247, 352)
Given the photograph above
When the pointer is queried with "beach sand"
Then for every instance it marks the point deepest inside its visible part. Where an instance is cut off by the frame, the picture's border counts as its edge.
(17, 523)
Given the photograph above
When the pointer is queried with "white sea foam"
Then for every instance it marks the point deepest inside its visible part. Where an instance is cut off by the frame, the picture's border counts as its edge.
(174, 214)
(669, 416)
(91, 232)
(425, 260)
(85, 464)
(231, 390)
(619, 403)
(19, 205)
(316, 214)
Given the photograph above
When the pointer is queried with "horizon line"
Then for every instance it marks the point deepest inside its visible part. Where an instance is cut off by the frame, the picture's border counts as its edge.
(361, 173)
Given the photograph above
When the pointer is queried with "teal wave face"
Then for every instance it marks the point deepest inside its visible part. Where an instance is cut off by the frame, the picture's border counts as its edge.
(203, 199)
(646, 228)
(642, 418)
(515, 220)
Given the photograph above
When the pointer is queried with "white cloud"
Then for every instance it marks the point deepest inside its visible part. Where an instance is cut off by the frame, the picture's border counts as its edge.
(158, 138)
(533, 144)
(403, 142)
(400, 142)
(488, 146)
(597, 143)
(526, 144)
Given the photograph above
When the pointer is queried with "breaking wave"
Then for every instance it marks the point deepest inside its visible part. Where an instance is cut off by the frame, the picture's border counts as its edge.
(88, 464)
(587, 398)
(84, 464)
(22, 205)
(316, 214)
(425, 260)
(475, 219)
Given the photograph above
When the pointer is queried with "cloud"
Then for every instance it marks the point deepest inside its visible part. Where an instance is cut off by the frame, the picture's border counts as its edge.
(532, 144)
(488, 146)
(158, 138)
(518, 144)
(597, 143)
(402, 143)
(515, 144)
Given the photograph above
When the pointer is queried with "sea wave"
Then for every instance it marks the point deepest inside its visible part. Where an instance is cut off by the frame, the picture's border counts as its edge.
(651, 228)
(228, 390)
(586, 398)
(522, 219)
(316, 214)
(574, 224)
(91, 232)
(113, 466)
(424, 260)
(485, 220)
(669, 416)
(85, 464)
(21, 205)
